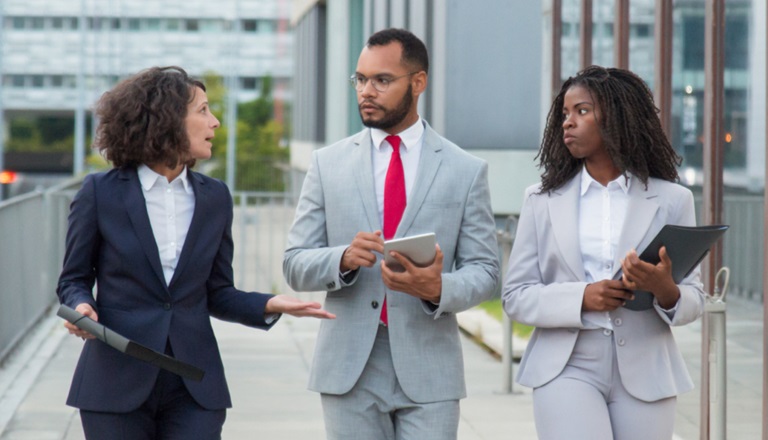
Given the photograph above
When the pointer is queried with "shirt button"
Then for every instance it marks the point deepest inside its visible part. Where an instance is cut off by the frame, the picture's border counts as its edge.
(607, 332)
(617, 321)
(621, 342)
(168, 190)
(375, 304)
(167, 306)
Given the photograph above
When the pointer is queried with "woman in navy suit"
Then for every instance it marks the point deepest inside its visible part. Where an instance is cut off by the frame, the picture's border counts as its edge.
(155, 237)
(599, 370)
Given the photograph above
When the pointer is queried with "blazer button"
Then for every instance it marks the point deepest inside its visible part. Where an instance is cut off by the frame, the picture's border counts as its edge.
(375, 304)
(167, 306)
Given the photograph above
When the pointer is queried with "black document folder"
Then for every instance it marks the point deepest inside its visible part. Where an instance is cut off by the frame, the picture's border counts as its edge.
(131, 348)
(686, 247)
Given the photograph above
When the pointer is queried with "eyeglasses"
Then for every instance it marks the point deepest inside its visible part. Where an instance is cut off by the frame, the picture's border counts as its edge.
(380, 83)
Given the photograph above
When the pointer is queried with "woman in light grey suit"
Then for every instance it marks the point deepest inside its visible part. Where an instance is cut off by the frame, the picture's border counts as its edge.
(598, 369)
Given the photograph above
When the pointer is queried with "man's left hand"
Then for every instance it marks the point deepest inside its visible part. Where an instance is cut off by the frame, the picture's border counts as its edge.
(422, 282)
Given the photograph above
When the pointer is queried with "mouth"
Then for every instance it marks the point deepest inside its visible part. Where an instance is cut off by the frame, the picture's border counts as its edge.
(368, 107)
(568, 138)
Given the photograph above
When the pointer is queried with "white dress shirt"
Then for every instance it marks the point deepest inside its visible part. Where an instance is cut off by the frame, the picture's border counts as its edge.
(170, 206)
(602, 210)
(411, 140)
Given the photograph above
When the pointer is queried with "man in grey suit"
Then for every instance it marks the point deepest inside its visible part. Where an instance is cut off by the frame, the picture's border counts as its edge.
(390, 366)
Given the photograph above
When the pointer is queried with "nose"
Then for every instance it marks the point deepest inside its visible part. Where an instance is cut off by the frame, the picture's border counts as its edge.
(368, 89)
(216, 123)
(567, 121)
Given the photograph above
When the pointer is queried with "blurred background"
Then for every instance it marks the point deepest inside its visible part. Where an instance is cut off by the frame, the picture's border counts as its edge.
(276, 73)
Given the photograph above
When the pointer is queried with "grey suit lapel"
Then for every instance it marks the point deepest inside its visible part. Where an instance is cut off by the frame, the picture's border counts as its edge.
(429, 162)
(563, 207)
(363, 169)
(641, 211)
(135, 206)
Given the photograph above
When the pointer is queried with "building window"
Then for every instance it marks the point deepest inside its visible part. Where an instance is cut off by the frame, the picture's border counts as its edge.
(57, 23)
(18, 22)
(641, 30)
(211, 25)
(250, 26)
(17, 81)
(153, 24)
(134, 24)
(37, 81)
(173, 24)
(192, 25)
(115, 24)
(249, 83)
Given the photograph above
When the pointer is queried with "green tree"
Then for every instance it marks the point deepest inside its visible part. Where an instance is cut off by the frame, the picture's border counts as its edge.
(260, 158)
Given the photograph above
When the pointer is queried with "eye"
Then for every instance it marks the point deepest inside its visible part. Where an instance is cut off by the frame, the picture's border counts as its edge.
(583, 111)
(383, 81)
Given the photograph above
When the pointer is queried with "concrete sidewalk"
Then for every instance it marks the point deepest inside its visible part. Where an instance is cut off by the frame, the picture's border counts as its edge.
(268, 371)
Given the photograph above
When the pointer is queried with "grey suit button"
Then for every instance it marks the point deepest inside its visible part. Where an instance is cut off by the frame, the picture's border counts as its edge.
(621, 342)
(331, 285)
(375, 304)
(617, 321)
(167, 306)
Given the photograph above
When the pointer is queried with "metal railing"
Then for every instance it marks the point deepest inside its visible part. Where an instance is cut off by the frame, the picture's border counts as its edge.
(32, 231)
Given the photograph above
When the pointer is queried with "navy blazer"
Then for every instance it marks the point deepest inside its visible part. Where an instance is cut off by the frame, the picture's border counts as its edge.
(110, 243)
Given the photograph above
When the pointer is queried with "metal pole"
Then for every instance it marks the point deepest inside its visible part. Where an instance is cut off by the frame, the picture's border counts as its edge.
(585, 36)
(712, 212)
(715, 311)
(663, 37)
(557, 50)
(505, 239)
(78, 158)
(2, 109)
(765, 267)
(621, 36)
(232, 89)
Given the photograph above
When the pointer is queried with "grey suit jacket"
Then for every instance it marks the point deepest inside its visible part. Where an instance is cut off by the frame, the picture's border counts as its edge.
(545, 286)
(451, 198)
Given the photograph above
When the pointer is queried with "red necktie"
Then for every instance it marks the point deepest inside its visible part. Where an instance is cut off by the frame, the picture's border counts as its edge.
(394, 199)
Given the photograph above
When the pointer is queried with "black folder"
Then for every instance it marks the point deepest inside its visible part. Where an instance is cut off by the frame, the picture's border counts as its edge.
(131, 348)
(686, 247)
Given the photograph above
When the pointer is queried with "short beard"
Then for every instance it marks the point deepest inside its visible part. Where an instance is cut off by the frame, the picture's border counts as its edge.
(392, 117)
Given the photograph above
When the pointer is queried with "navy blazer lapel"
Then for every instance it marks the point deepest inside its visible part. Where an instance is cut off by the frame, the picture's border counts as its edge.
(363, 169)
(563, 206)
(136, 207)
(198, 220)
(429, 163)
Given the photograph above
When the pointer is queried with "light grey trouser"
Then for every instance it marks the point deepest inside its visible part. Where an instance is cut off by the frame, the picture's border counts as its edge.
(587, 401)
(377, 408)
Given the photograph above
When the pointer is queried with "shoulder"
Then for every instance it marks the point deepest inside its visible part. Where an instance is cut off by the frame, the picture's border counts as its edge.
(667, 189)
(342, 146)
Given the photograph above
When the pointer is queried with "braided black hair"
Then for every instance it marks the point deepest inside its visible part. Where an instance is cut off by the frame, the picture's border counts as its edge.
(629, 125)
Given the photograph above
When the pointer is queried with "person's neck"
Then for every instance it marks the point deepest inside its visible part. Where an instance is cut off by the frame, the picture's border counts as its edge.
(404, 124)
(166, 171)
(603, 173)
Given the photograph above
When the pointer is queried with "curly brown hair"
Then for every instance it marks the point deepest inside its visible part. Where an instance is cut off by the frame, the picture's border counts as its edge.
(141, 120)
(629, 125)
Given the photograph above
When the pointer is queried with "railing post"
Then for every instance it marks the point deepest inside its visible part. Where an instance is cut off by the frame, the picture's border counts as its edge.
(506, 238)
(715, 321)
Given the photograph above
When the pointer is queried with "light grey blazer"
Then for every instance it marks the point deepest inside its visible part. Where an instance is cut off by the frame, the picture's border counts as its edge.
(451, 198)
(545, 287)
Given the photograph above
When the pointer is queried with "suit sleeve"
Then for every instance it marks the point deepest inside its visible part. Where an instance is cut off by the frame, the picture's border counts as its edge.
(308, 263)
(78, 273)
(226, 302)
(476, 273)
(526, 296)
(690, 306)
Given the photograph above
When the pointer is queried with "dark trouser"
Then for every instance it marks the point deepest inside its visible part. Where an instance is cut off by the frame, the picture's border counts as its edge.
(170, 413)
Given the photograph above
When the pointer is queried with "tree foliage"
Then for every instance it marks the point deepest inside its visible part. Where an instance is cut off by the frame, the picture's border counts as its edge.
(260, 158)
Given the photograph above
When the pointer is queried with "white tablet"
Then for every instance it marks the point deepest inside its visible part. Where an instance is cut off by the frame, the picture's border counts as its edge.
(420, 249)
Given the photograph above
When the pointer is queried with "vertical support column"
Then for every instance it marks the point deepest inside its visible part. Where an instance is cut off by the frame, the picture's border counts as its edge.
(585, 34)
(662, 78)
(765, 270)
(557, 50)
(78, 155)
(621, 35)
(2, 108)
(713, 178)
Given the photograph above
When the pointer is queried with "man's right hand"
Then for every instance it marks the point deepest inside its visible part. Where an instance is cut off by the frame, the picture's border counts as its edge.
(361, 251)
(88, 311)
